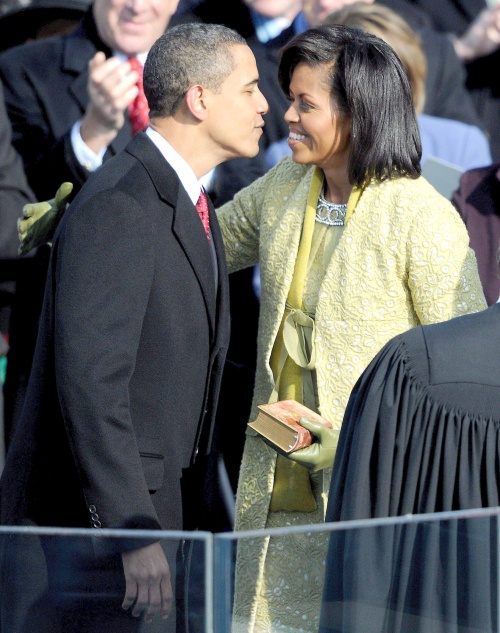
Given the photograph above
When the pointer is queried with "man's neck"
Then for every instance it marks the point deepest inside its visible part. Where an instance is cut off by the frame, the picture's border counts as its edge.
(188, 143)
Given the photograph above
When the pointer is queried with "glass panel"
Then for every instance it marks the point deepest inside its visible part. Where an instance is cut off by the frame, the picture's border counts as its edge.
(418, 574)
(68, 581)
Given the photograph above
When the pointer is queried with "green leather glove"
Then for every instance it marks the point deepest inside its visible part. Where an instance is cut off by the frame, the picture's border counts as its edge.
(321, 453)
(40, 219)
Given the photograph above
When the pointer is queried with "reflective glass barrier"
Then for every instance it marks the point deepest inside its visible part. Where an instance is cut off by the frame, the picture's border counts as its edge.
(67, 581)
(416, 574)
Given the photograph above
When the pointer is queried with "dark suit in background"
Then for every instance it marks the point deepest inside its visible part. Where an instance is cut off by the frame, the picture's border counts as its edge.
(451, 16)
(14, 194)
(14, 190)
(45, 85)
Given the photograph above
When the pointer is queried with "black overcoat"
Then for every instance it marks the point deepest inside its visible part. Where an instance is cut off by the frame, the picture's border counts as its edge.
(132, 341)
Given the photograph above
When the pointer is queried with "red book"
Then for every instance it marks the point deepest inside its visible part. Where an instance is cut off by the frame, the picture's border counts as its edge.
(278, 423)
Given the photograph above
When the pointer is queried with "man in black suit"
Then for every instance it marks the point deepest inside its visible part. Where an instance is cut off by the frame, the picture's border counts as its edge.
(67, 98)
(119, 411)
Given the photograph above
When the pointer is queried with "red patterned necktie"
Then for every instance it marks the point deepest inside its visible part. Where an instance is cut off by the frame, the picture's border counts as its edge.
(202, 208)
(138, 110)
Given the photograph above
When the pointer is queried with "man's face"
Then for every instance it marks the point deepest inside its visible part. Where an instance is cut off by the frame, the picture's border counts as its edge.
(275, 8)
(235, 112)
(132, 26)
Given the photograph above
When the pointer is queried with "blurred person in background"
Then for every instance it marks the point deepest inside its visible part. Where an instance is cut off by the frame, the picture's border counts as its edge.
(74, 101)
(474, 28)
(453, 141)
(477, 200)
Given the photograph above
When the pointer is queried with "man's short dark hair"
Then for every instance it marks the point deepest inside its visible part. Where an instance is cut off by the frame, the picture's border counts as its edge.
(186, 55)
(369, 84)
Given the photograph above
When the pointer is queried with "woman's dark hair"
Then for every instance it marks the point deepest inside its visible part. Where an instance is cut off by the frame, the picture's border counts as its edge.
(369, 84)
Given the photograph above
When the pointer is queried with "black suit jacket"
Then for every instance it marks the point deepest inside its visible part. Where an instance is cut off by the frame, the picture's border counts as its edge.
(45, 84)
(127, 368)
(14, 190)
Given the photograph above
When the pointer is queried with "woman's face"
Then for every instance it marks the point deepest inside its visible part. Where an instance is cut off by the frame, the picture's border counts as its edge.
(318, 135)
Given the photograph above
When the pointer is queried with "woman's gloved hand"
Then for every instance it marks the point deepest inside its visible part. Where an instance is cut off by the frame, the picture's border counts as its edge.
(40, 219)
(321, 453)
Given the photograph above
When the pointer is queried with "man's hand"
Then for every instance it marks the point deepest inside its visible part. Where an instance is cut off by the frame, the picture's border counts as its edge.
(40, 219)
(111, 88)
(481, 38)
(148, 587)
(321, 453)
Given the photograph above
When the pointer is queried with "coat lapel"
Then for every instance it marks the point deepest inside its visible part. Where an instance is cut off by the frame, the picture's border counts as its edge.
(189, 231)
(186, 224)
(78, 51)
(223, 285)
(75, 58)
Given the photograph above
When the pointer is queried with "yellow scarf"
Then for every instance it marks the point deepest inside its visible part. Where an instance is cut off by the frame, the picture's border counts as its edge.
(293, 359)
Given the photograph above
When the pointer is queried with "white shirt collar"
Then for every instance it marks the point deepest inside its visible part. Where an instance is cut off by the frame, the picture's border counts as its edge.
(268, 28)
(178, 164)
(140, 56)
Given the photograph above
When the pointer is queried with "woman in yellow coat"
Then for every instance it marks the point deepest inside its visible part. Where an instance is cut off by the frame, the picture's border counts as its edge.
(354, 247)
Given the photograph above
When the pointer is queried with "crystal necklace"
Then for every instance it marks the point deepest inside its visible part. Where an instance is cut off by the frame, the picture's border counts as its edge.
(330, 213)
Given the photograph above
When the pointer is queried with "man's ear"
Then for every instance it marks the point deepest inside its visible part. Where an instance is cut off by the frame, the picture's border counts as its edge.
(196, 102)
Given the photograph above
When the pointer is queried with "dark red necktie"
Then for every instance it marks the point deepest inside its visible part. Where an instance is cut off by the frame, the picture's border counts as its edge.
(138, 110)
(202, 208)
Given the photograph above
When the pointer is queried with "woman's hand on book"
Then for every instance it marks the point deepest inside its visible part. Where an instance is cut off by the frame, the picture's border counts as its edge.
(321, 453)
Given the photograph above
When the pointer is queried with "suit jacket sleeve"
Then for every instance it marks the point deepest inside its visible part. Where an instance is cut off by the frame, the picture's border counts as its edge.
(104, 272)
(14, 190)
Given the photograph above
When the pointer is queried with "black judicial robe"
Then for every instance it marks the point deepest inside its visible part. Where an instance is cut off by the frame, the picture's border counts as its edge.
(421, 434)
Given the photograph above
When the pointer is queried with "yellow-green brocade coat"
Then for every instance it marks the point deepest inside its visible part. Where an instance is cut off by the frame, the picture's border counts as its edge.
(403, 259)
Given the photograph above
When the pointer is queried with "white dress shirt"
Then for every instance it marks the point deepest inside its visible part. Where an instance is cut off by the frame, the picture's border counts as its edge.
(84, 155)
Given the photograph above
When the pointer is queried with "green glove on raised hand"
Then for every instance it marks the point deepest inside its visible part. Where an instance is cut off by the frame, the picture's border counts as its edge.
(321, 453)
(40, 219)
